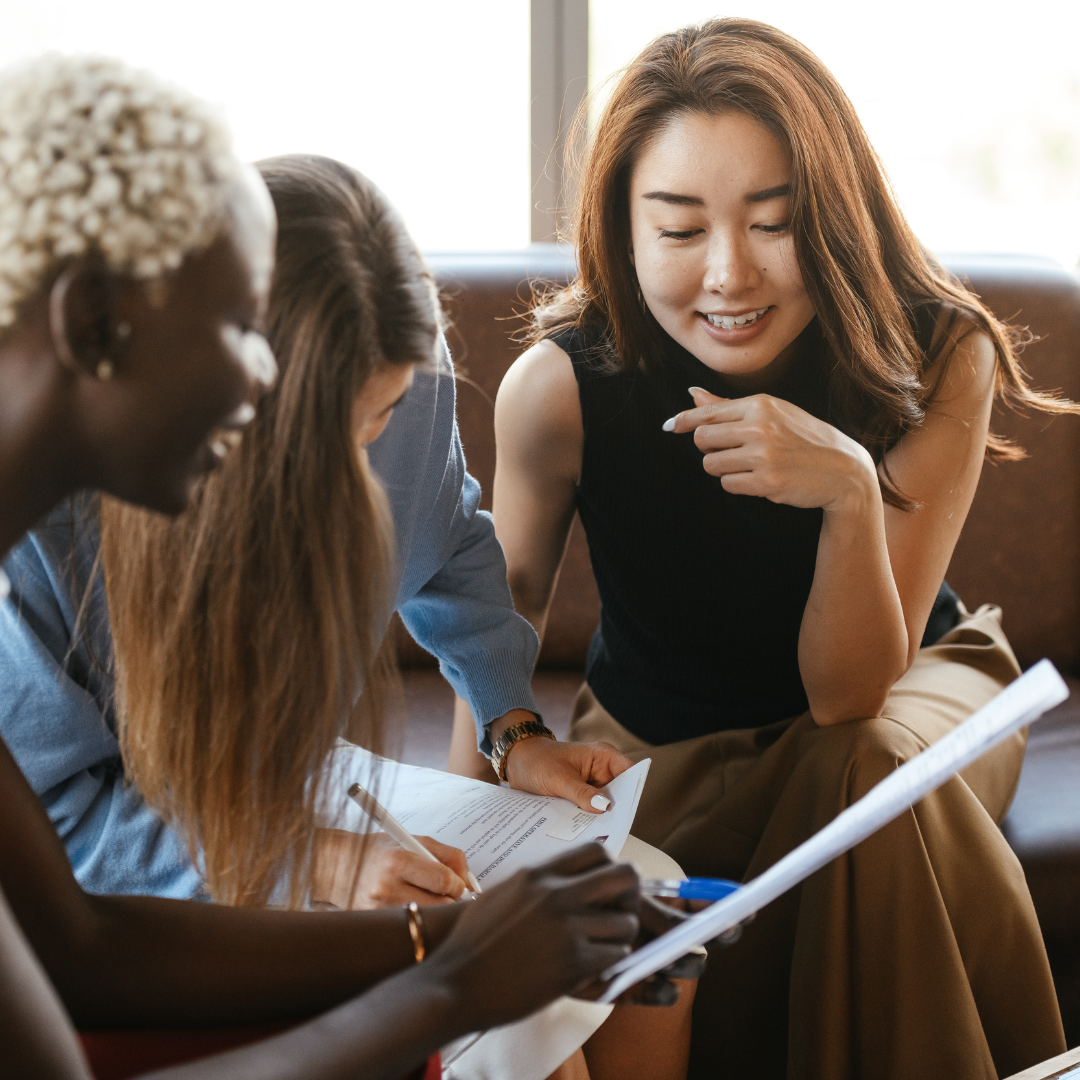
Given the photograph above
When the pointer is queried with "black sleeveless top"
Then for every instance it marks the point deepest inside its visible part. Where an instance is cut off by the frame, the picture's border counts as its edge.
(702, 592)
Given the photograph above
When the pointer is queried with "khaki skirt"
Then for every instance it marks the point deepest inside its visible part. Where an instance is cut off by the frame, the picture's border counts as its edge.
(917, 954)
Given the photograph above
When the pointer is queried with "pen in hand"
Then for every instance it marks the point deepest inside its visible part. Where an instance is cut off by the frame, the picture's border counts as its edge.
(396, 831)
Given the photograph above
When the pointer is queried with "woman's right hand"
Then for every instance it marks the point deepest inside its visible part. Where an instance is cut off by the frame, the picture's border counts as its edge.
(548, 931)
(388, 874)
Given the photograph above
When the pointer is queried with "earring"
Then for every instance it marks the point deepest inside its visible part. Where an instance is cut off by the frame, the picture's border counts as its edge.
(104, 370)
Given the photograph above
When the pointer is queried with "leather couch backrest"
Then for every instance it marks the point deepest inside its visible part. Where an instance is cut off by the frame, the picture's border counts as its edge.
(1020, 547)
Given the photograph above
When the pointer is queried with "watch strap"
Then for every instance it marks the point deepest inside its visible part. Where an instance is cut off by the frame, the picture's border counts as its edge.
(527, 729)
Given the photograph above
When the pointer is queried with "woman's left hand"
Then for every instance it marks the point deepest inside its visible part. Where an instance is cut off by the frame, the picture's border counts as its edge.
(765, 446)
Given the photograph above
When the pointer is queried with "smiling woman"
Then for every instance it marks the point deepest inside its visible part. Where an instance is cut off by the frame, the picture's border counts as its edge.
(127, 337)
(725, 228)
(149, 248)
(770, 407)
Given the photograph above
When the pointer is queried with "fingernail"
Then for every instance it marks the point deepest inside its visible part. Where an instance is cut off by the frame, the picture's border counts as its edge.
(598, 802)
(669, 425)
(696, 390)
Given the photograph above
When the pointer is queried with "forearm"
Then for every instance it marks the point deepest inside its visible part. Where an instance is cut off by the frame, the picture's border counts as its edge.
(464, 758)
(853, 643)
(141, 961)
(381, 1035)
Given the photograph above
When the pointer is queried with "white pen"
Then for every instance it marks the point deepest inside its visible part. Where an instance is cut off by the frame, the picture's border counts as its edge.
(381, 816)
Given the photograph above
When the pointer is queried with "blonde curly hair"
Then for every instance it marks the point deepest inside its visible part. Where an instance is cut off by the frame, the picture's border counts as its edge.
(97, 156)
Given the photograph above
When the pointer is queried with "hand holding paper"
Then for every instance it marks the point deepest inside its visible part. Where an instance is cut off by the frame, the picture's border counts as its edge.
(500, 830)
(571, 771)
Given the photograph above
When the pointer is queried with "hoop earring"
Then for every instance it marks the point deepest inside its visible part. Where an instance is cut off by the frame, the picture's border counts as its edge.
(104, 370)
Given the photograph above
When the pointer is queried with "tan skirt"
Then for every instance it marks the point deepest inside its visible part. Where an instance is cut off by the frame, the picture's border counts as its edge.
(916, 955)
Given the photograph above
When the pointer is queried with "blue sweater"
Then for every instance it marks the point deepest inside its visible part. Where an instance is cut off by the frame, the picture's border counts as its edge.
(56, 718)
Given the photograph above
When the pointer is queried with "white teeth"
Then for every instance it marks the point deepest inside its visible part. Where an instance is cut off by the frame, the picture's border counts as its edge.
(223, 441)
(242, 414)
(729, 322)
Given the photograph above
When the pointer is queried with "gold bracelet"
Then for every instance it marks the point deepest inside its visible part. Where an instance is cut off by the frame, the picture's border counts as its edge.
(416, 930)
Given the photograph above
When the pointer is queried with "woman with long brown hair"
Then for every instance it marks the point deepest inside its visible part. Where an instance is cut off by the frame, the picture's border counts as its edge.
(272, 593)
(769, 405)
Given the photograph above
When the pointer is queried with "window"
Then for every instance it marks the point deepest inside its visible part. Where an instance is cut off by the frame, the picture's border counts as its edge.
(431, 100)
(974, 109)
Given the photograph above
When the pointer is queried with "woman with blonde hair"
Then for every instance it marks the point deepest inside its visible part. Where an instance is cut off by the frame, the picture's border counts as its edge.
(769, 405)
(137, 254)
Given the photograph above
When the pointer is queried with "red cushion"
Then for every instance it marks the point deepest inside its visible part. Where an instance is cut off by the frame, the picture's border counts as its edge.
(118, 1055)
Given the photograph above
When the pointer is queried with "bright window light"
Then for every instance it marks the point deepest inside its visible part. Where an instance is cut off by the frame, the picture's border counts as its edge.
(974, 108)
(429, 99)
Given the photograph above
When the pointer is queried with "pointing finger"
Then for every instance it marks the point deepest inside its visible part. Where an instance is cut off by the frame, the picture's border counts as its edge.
(713, 410)
(703, 397)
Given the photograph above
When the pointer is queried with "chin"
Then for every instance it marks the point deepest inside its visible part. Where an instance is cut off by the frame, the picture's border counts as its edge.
(166, 491)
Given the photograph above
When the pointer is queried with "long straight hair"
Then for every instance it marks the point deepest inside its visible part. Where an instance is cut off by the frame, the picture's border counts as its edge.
(864, 270)
(244, 629)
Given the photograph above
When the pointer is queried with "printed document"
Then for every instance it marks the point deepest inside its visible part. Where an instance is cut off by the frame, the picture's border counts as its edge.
(499, 829)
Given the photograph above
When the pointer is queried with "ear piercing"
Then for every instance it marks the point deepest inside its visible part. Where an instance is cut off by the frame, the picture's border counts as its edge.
(104, 370)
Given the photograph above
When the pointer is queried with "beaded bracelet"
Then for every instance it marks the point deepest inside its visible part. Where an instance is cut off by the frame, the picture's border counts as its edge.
(416, 930)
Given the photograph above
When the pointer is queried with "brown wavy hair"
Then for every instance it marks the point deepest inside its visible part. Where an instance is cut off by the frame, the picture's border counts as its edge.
(244, 629)
(864, 269)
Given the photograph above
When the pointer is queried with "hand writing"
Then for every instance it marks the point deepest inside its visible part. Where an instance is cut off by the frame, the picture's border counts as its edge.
(389, 874)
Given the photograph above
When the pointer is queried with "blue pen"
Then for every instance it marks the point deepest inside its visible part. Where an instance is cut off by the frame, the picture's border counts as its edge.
(695, 888)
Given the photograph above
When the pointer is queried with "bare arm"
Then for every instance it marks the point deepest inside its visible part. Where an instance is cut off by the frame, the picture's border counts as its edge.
(120, 961)
(567, 921)
(878, 569)
(539, 438)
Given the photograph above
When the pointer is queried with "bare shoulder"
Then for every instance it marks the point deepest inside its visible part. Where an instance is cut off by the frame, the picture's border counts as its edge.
(538, 412)
(965, 374)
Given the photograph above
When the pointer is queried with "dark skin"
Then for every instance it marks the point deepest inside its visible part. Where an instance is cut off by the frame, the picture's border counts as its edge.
(116, 962)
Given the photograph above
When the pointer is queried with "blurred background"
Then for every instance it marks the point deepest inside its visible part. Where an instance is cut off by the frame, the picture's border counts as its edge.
(454, 109)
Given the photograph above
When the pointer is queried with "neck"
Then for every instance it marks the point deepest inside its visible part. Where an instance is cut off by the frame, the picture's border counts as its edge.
(34, 437)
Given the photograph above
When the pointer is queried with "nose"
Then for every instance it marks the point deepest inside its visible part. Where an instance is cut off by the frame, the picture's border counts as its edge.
(258, 360)
(730, 268)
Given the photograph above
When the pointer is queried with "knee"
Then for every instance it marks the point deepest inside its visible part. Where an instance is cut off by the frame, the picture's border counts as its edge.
(863, 751)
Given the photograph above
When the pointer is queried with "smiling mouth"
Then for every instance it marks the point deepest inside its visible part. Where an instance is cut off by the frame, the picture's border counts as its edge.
(227, 436)
(223, 440)
(730, 322)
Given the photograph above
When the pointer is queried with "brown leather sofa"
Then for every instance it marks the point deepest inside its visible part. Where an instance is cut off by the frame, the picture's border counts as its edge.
(1020, 548)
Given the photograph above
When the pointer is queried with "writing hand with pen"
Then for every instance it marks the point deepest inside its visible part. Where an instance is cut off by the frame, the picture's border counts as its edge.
(388, 875)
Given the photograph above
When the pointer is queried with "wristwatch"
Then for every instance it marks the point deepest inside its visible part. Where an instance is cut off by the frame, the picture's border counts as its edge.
(527, 729)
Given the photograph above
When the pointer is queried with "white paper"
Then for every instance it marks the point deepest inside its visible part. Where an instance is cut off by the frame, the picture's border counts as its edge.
(1020, 703)
(499, 829)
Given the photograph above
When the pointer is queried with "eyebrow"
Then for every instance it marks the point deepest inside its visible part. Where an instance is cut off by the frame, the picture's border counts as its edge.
(778, 192)
(673, 199)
